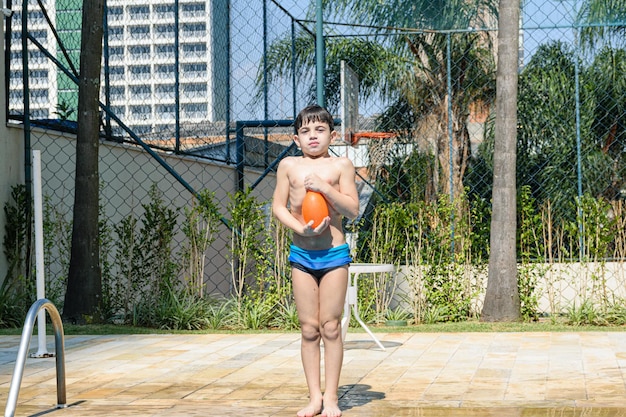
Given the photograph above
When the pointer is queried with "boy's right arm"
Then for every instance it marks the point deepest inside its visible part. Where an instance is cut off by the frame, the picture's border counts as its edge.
(280, 199)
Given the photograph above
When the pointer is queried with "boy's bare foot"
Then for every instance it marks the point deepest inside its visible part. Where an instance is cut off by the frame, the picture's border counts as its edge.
(311, 410)
(331, 407)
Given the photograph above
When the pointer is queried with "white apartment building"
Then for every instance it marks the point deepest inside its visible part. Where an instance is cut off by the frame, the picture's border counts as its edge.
(42, 74)
(141, 64)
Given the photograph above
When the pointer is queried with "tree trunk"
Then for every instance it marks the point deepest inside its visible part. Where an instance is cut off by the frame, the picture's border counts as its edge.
(502, 297)
(84, 286)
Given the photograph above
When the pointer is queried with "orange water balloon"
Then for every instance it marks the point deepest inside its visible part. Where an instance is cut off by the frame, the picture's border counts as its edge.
(314, 207)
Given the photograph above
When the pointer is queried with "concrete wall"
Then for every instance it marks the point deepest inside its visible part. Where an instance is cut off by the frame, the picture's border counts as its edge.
(11, 161)
(11, 173)
(559, 286)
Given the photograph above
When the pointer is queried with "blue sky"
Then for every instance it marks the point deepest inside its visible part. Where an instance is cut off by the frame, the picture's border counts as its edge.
(542, 20)
(553, 17)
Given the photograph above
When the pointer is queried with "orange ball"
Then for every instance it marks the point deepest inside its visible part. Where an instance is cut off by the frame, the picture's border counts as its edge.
(314, 207)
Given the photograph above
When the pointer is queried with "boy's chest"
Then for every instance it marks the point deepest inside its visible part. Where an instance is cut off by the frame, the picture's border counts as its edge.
(325, 171)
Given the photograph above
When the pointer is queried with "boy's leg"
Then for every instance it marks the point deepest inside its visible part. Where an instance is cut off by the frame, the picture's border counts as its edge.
(332, 297)
(306, 294)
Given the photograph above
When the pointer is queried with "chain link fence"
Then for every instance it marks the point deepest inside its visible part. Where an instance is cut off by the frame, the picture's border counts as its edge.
(199, 95)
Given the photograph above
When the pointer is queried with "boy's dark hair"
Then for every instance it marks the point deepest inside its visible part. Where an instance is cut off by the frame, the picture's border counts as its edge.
(314, 113)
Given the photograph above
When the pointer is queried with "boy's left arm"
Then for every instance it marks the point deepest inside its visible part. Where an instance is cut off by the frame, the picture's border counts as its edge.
(346, 199)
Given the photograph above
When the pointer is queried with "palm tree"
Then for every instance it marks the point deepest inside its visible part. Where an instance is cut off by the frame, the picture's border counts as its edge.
(502, 302)
(84, 287)
(603, 22)
(408, 64)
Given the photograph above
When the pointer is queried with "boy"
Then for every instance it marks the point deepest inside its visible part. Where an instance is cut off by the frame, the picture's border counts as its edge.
(319, 256)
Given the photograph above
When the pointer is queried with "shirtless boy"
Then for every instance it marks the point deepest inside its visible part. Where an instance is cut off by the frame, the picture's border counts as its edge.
(319, 256)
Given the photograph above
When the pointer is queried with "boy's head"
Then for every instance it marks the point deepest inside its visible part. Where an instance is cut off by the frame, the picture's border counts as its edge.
(314, 113)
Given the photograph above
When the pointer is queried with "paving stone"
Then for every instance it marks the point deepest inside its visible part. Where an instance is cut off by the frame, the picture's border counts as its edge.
(569, 374)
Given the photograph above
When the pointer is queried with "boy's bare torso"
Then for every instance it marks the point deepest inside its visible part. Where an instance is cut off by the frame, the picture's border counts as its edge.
(329, 170)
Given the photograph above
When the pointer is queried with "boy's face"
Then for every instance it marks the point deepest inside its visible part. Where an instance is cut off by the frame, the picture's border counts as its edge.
(314, 138)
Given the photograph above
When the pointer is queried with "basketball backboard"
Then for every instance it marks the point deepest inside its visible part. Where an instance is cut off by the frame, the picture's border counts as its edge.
(349, 108)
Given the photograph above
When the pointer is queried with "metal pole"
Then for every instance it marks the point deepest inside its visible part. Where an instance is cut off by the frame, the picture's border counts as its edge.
(579, 173)
(28, 175)
(39, 262)
(450, 136)
(319, 53)
(265, 89)
(228, 72)
(240, 156)
(293, 69)
(107, 74)
(176, 76)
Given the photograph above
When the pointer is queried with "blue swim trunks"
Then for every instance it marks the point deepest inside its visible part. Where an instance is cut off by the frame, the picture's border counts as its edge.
(319, 262)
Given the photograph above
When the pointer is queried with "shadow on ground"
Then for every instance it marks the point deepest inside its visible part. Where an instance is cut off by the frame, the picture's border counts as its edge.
(357, 395)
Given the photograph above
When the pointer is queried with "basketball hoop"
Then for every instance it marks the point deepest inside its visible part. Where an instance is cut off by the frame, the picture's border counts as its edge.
(349, 109)
(355, 137)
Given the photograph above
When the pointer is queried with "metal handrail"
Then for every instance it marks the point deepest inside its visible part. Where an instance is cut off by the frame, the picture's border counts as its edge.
(59, 344)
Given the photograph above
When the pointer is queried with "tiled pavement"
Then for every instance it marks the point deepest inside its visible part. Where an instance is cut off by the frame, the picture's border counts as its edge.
(419, 374)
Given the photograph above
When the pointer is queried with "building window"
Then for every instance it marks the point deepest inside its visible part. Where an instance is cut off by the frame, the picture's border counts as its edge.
(116, 73)
(139, 52)
(35, 16)
(195, 90)
(139, 32)
(197, 30)
(116, 53)
(115, 13)
(139, 72)
(164, 31)
(164, 11)
(39, 95)
(165, 71)
(40, 75)
(16, 75)
(195, 70)
(16, 95)
(119, 111)
(164, 90)
(140, 91)
(40, 36)
(197, 49)
(140, 112)
(166, 110)
(117, 92)
(37, 57)
(116, 33)
(165, 51)
(139, 12)
(195, 110)
(193, 9)
(39, 114)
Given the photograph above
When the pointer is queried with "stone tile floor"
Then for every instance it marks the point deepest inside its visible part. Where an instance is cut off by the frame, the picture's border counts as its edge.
(578, 374)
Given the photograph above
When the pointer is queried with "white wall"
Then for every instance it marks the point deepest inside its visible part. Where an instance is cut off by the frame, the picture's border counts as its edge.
(127, 173)
(11, 161)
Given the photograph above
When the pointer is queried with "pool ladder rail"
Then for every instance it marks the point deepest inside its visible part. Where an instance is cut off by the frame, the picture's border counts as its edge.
(59, 344)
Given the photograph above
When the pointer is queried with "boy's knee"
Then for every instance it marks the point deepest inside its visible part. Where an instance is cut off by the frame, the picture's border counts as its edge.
(331, 330)
(310, 332)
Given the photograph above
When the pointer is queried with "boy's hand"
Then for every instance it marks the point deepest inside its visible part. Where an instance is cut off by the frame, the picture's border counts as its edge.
(312, 182)
(309, 231)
